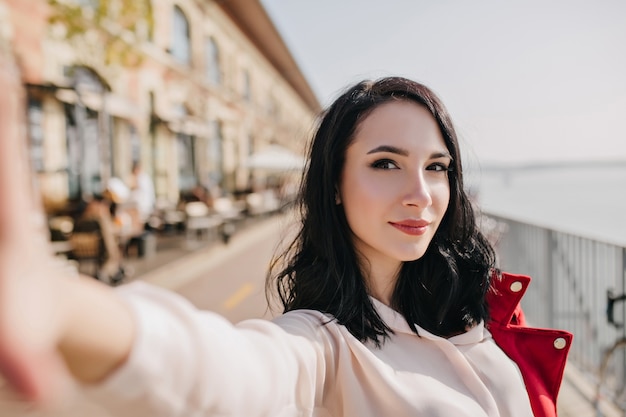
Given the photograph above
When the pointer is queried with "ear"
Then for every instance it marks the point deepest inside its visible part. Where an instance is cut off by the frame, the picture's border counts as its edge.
(337, 197)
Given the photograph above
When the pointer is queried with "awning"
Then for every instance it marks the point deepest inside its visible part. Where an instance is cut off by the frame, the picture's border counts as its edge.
(115, 105)
(190, 126)
(276, 158)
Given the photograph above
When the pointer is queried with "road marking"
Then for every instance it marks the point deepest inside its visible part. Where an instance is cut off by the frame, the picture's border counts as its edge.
(241, 294)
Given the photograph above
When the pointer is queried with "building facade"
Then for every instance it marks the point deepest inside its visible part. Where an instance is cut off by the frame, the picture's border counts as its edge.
(191, 88)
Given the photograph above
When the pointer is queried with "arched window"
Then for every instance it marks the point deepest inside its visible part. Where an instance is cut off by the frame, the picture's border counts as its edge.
(213, 70)
(181, 39)
(88, 133)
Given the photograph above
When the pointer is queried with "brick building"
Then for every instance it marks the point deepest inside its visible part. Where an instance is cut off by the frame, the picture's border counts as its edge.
(190, 88)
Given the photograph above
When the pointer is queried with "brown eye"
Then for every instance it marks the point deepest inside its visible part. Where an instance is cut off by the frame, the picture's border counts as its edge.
(384, 164)
(439, 167)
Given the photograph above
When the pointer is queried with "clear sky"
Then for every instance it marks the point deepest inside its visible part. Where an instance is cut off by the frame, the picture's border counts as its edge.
(524, 80)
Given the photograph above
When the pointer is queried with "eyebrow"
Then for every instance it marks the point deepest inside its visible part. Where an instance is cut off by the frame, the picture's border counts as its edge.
(404, 152)
(390, 149)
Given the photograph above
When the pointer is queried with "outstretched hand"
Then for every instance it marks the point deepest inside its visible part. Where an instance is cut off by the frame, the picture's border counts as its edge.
(31, 314)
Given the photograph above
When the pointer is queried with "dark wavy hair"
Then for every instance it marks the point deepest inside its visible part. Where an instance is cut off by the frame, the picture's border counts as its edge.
(443, 291)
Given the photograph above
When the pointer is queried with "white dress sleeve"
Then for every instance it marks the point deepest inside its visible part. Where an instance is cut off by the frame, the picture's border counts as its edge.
(187, 362)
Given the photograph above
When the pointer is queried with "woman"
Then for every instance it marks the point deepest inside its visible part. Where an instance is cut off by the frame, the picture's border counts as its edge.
(388, 146)
(387, 290)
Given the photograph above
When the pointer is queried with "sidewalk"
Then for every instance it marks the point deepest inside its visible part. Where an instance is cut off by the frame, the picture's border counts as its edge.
(185, 263)
(178, 259)
(577, 395)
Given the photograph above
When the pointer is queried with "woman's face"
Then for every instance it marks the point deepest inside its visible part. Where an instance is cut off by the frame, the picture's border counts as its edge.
(394, 185)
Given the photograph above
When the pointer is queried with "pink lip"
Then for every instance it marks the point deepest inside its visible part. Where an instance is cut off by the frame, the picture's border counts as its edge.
(411, 227)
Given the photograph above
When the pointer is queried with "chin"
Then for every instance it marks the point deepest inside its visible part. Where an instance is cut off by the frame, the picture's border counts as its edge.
(409, 257)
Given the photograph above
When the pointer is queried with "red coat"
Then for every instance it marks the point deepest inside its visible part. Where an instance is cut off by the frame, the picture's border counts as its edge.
(540, 354)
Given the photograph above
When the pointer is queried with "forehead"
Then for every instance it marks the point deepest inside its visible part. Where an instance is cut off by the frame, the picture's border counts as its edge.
(402, 123)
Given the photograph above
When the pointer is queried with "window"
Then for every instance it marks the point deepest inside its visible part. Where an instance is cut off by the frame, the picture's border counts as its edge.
(88, 135)
(35, 133)
(181, 39)
(187, 178)
(84, 151)
(213, 71)
(86, 79)
(215, 155)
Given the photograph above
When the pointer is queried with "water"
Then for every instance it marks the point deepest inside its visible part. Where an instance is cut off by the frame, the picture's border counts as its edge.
(588, 200)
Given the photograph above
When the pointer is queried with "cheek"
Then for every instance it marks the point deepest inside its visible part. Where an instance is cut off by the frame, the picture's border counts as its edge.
(360, 191)
(441, 201)
(359, 199)
(440, 197)
(443, 196)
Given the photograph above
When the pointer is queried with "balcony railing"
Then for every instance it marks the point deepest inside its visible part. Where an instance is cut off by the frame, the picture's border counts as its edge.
(571, 276)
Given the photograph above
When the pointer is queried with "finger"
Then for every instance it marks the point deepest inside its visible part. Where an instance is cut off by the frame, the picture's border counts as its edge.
(17, 208)
(41, 379)
(30, 324)
(25, 370)
(49, 381)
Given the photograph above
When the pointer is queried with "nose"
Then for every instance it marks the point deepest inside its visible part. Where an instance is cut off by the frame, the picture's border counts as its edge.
(418, 192)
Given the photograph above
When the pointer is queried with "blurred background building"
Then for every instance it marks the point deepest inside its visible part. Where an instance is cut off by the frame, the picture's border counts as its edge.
(191, 88)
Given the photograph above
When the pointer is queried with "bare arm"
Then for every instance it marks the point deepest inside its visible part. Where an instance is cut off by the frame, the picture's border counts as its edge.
(52, 327)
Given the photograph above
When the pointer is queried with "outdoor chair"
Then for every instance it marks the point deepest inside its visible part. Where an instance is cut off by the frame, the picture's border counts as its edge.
(88, 245)
(199, 221)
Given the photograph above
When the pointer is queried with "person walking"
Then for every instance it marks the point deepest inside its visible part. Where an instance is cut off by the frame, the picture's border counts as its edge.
(142, 192)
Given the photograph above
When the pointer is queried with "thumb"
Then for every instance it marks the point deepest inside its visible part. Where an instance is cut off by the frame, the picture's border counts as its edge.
(41, 379)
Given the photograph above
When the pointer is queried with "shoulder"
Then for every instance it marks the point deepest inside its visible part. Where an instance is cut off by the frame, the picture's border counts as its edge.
(313, 325)
(303, 321)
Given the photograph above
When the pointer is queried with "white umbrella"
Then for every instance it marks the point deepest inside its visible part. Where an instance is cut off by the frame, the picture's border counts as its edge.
(276, 158)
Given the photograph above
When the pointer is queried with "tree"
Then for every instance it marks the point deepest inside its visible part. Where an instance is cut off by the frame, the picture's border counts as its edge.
(121, 25)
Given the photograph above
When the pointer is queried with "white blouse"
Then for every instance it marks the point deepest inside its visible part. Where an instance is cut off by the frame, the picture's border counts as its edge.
(187, 362)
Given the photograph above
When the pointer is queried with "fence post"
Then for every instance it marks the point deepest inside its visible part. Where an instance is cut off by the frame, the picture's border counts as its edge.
(551, 272)
(623, 288)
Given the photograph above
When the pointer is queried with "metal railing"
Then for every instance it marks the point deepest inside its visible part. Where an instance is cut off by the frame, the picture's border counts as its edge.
(571, 276)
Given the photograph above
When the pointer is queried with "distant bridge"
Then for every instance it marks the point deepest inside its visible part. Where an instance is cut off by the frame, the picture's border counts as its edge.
(551, 165)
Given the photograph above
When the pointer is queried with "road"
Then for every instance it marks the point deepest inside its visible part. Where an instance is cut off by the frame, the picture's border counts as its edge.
(229, 279)
(235, 287)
